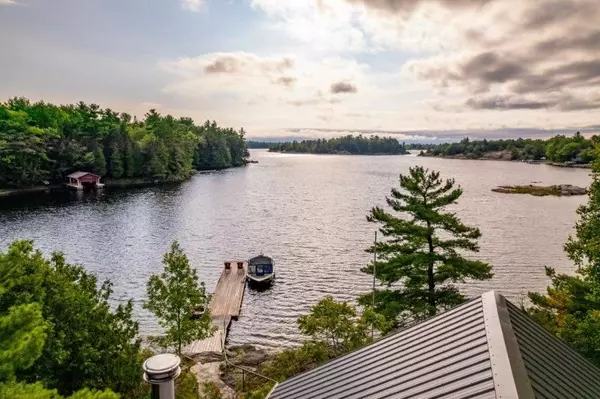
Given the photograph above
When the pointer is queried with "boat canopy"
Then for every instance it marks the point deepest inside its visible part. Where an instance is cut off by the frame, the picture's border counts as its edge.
(260, 266)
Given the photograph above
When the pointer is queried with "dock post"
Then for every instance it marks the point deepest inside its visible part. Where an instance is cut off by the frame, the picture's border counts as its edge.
(161, 371)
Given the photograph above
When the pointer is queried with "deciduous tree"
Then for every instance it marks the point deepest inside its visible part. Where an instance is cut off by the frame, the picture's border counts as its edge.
(173, 295)
(89, 344)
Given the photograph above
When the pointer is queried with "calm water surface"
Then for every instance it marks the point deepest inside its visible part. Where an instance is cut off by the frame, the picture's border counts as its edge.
(308, 213)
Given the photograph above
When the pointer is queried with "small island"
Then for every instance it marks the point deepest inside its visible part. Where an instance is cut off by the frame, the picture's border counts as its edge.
(347, 145)
(559, 190)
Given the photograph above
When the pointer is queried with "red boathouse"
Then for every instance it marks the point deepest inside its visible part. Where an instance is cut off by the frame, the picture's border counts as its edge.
(81, 180)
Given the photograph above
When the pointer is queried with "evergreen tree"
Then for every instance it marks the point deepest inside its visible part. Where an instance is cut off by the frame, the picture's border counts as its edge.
(172, 297)
(116, 162)
(571, 306)
(421, 259)
(99, 162)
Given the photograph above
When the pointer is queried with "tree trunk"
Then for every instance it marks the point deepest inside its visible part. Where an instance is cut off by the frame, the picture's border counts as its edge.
(179, 334)
(430, 278)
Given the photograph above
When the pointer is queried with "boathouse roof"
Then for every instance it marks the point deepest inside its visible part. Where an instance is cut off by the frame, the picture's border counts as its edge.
(485, 348)
(78, 174)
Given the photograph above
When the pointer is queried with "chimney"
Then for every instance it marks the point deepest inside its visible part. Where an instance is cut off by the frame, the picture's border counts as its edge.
(161, 371)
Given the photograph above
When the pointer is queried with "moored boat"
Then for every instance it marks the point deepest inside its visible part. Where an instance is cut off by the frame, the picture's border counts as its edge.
(261, 270)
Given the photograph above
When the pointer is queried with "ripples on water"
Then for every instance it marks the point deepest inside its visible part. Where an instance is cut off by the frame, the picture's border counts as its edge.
(308, 213)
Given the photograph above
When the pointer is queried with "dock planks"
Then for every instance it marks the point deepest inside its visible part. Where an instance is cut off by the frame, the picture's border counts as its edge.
(227, 299)
(225, 305)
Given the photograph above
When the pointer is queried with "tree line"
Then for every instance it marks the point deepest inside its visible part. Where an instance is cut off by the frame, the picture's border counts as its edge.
(560, 148)
(360, 145)
(42, 142)
(260, 144)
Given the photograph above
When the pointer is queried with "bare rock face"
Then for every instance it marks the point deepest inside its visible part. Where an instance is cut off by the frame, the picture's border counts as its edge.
(568, 189)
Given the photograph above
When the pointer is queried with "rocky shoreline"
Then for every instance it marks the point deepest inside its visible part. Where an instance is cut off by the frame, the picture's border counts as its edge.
(212, 368)
(560, 190)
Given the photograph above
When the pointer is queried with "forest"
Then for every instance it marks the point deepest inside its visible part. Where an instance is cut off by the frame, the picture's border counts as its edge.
(40, 143)
(259, 144)
(560, 148)
(361, 145)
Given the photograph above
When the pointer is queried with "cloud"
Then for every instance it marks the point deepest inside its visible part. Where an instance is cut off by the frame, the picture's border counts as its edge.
(191, 5)
(405, 7)
(544, 57)
(232, 64)
(343, 87)
(287, 81)
(249, 79)
(323, 25)
(243, 62)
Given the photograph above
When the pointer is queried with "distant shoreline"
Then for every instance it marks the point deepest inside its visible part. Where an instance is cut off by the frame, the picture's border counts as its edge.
(119, 183)
(108, 183)
(531, 162)
(337, 153)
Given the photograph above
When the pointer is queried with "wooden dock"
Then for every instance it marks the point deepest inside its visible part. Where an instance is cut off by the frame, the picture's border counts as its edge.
(225, 305)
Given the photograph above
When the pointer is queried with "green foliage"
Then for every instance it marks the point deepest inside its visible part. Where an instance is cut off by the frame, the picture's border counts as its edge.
(571, 306)
(116, 163)
(347, 144)
(88, 344)
(22, 336)
(422, 256)
(210, 390)
(37, 391)
(173, 295)
(333, 329)
(559, 148)
(40, 142)
(99, 162)
(337, 324)
(186, 386)
(260, 144)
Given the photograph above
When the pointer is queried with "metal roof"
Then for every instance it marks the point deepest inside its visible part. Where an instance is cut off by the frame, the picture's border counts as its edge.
(77, 175)
(485, 348)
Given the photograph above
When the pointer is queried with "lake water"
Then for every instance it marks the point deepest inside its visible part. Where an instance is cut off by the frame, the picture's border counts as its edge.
(308, 213)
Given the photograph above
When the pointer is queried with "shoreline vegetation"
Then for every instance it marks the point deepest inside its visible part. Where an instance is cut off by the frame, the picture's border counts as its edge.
(346, 145)
(41, 143)
(124, 182)
(574, 152)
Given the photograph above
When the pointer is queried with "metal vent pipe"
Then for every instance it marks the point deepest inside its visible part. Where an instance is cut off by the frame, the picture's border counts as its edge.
(161, 371)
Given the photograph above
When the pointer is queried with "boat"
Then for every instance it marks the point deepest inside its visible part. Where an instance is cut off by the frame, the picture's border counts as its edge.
(261, 271)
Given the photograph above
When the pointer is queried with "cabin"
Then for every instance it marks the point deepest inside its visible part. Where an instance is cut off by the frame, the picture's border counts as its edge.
(485, 348)
(81, 180)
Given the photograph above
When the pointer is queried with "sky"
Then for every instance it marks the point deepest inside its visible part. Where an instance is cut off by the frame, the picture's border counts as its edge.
(316, 68)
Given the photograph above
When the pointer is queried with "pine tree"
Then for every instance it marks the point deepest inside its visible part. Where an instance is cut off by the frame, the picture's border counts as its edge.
(116, 163)
(570, 309)
(173, 295)
(421, 259)
(99, 162)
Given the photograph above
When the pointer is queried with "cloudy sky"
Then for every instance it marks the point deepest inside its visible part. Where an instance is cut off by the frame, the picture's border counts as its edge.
(315, 67)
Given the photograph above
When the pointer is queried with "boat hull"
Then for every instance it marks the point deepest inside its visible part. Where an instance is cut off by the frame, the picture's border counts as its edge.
(263, 281)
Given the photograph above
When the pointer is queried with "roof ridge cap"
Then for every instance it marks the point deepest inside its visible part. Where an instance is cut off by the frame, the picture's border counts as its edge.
(508, 369)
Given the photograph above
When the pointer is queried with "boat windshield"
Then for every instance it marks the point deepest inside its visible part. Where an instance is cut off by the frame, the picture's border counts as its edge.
(261, 269)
